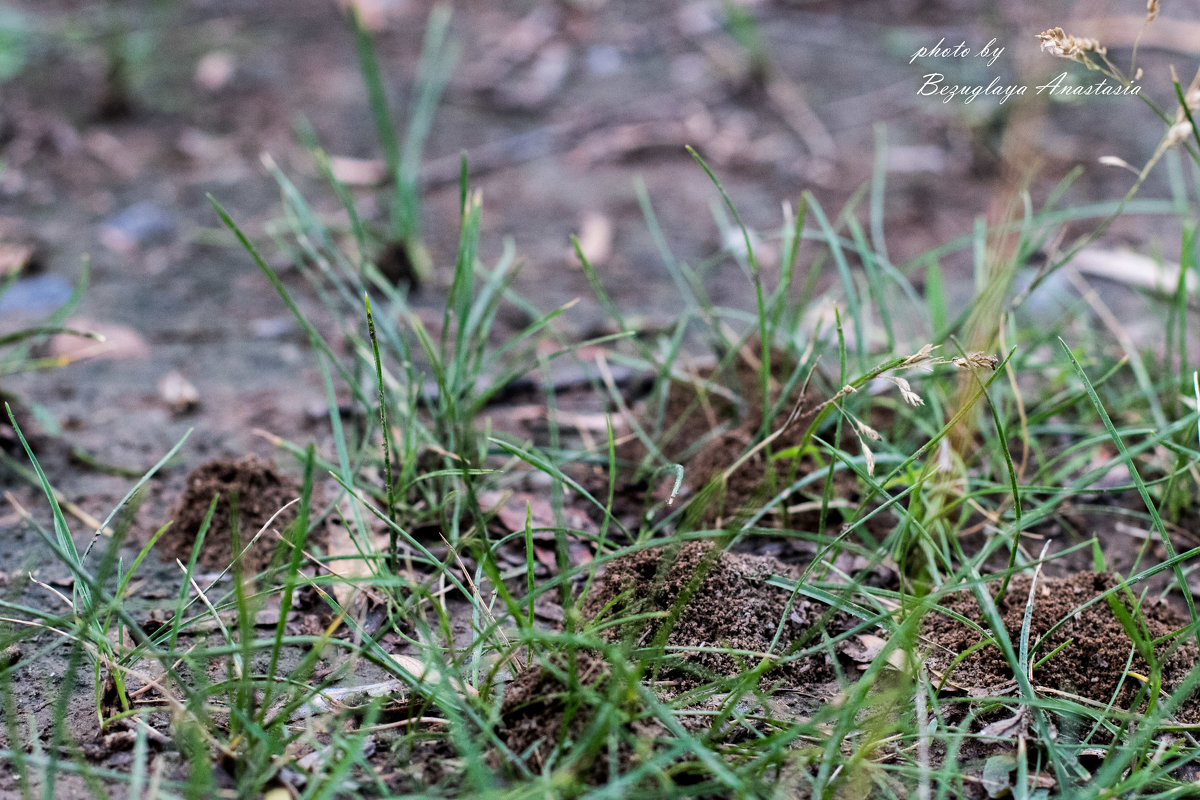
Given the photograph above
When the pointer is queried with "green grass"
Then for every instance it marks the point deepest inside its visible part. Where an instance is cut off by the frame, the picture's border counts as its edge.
(942, 496)
(402, 231)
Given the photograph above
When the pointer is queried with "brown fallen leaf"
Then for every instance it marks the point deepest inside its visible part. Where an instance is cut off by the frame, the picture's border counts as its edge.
(864, 647)
(549, 612)
(115, 342)
(1007, 728)
(511, 513)
(358, 171)
(14, 257)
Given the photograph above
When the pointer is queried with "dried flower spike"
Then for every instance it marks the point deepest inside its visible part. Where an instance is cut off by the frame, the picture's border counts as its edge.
(906, 391)
(869, 457)
(867, 431)
(920, 357)
(1151, 10)
(1061, 44)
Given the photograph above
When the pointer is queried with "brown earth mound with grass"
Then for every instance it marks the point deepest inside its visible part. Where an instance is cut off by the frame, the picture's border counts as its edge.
(1095, 645)
(558, 704)
(534, 708)
(698, 413)
(713, 600)
(712, 420)
(250, 490)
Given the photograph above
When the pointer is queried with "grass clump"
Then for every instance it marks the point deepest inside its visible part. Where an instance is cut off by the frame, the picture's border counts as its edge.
(401, 252)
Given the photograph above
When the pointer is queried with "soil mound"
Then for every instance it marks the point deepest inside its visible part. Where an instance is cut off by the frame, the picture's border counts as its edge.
(1095, 646)
(250, 490)
(535, 704)
(712, 420)
(713, 599)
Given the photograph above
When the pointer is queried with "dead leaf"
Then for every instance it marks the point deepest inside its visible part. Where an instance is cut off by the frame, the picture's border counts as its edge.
(596, 237)
(541, 514)
(427, 674)
(549, 612)
(545, 557)
(347, 561)
(997, 772)
(1133, 269)
(117, 342)
(1009, 727)
(311, 762)
(864, 647)
(358, 171)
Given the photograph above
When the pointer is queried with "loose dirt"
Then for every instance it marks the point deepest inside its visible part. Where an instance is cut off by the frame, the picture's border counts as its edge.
(712, 420)
(534, 710)
(249, 492)
(712, 599)
(702, 598)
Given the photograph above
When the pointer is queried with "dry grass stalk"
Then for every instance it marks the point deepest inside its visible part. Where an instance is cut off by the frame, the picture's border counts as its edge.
(1181, 129)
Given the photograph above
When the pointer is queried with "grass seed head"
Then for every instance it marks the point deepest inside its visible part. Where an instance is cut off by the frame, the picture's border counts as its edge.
(906, 391)
(1116, 161)
(1178, 133)
(867, 431)
(1061, 44)
(1151, 10)
(978, 360)
(1182, 127)
(922, 357)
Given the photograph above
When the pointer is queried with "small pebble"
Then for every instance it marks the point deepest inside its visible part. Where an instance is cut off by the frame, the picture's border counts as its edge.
(10, 655)
(138, 225)
(39, 294)
(178, 392)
